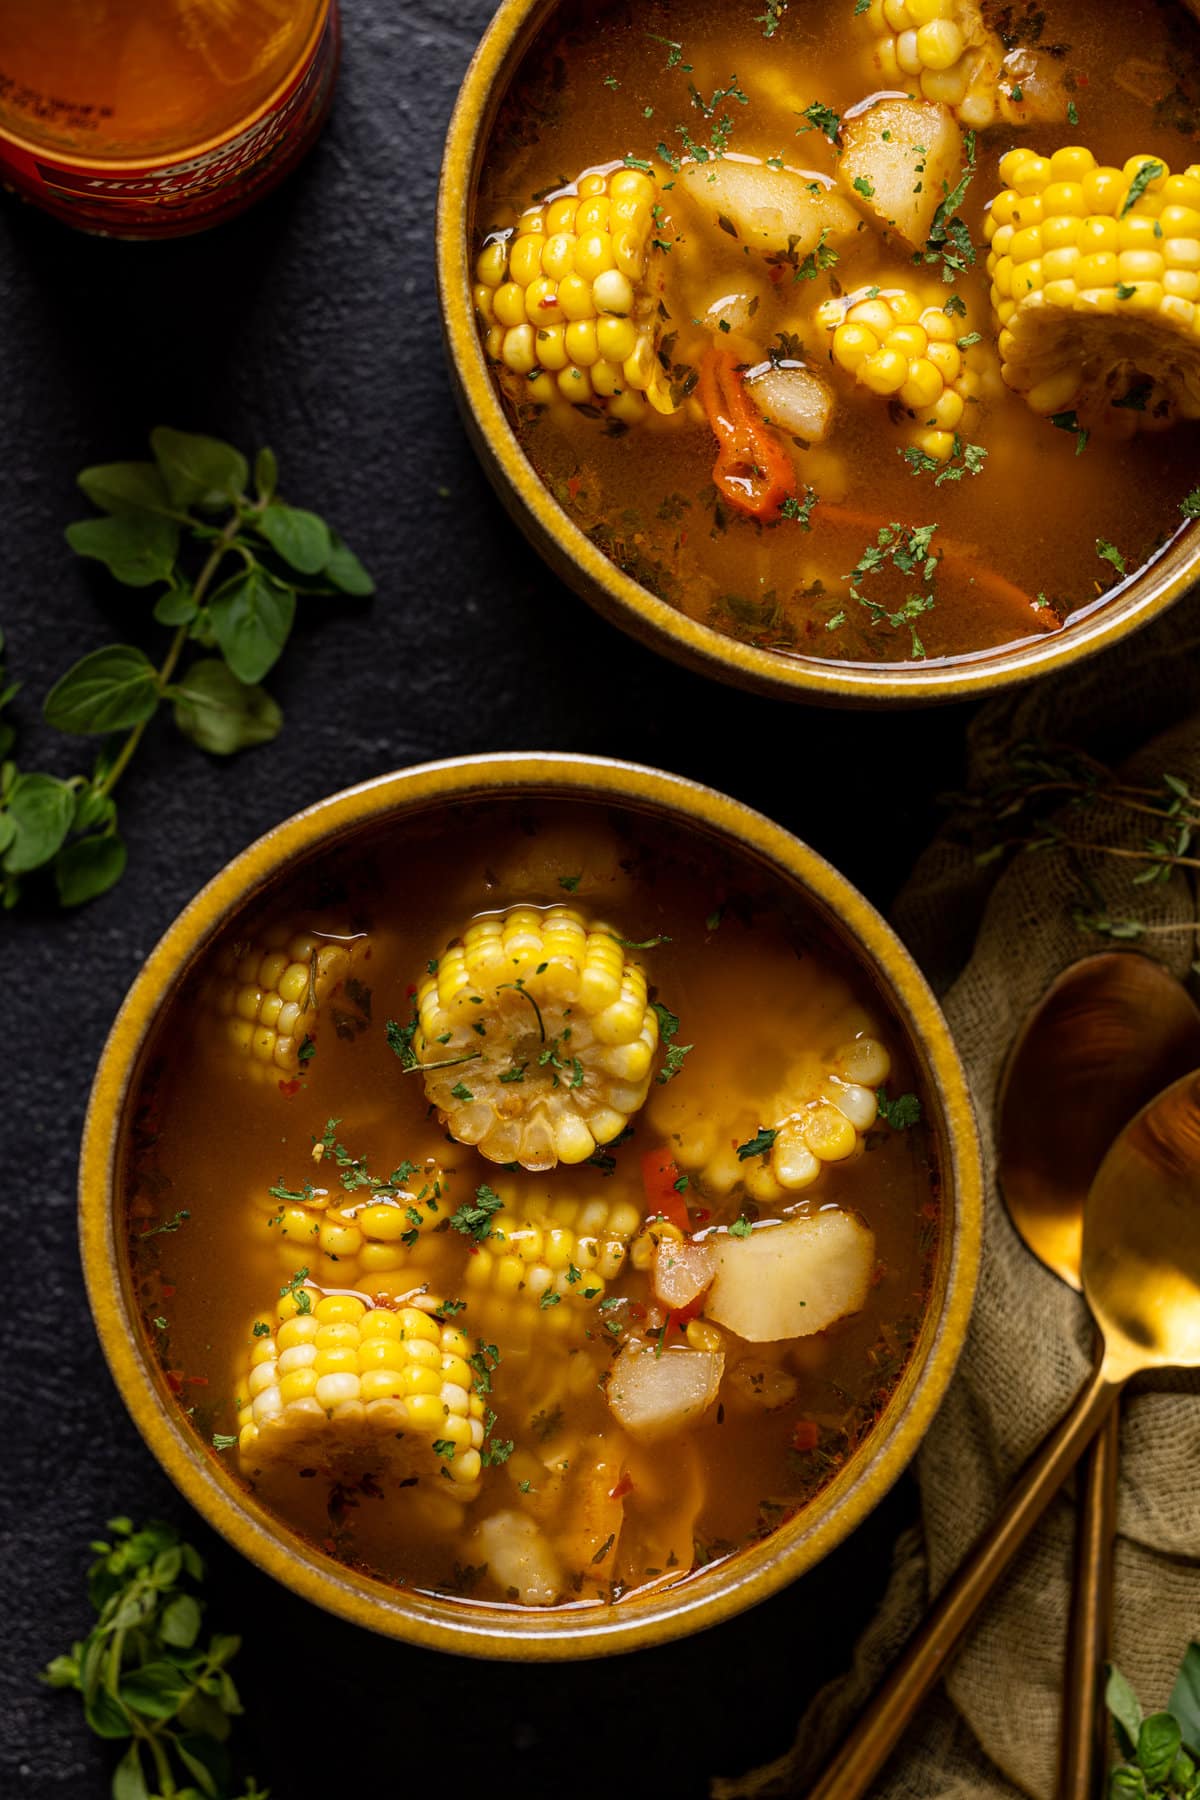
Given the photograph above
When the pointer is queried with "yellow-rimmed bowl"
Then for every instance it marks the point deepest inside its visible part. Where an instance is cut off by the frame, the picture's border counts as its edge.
(872, 949)
(624, 601)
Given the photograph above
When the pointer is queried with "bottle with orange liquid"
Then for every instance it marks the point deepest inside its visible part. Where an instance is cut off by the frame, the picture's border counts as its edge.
(152, 118)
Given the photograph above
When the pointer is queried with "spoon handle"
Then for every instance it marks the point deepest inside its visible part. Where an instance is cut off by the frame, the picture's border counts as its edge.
(1084, 1721)
(855, 1765)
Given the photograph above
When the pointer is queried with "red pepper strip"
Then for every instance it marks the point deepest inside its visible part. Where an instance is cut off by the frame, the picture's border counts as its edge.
(623, 1487)
(753, 470)
(659, 1175)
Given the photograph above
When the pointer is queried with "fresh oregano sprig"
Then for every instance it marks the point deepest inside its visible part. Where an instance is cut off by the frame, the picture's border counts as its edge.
(1160, 1751)
(230, 562)
(147, 1675)
(1050, 796)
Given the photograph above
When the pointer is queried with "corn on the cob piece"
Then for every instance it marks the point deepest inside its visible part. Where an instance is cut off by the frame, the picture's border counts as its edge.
(1096, 287)
(266, 994)
(820, 1114)
(337, 1381)
(907, 352)
(568, 300)
(544, 1032)
(377, 1243)
(944, 50)
(546, 1268)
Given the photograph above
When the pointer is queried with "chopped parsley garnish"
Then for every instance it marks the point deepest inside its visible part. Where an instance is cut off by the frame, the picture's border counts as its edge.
(496, 1451)
(772, 19)
(569, 882)
(863, 186)
(549, 1299)
(446, 1309)
(1150, 171)
(445, 1448)
(1190, 505)
(400, 1040)
(460, 1091)
(221, 1440)
(296, 1288)
(1072, 110)
(516, 1073)
(949, 240)
(668, 1027)
(261, 1328)
(474, 1219)
(1110, 554)
(801, 510)
(168, 1225)
(674, 52)
(484, 1361)
(307, 1050)
(758, 1145)
(741, 1227)
(900, 1113)
(1125, 290)
(1067, 421)
(908, 550)
(823, 119)
(964, 459)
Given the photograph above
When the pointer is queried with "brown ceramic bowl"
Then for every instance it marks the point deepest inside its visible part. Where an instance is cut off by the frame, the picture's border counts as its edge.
(573, 556)
(209, 1482)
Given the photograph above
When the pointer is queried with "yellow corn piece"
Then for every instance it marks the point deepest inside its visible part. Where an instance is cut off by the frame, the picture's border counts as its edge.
(568, 301)
(338, 1383)
(908, 353)
(943, 50)
(1096, 287)
(820, 1114)
(536, 1036)
(377, 1243)
(263, 1003)
(546, 1267)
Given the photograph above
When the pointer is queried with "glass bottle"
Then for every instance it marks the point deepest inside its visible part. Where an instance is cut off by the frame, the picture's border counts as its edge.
(151, 118)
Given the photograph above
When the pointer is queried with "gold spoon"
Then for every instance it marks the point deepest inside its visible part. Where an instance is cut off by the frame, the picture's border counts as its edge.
(1141, 1278)
(1109, 1034)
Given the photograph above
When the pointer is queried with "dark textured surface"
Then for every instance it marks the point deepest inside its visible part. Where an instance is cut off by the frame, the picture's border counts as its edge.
(312, 325)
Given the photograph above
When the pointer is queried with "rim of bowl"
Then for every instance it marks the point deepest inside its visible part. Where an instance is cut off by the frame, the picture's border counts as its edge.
(496, 1631)
(625, 602)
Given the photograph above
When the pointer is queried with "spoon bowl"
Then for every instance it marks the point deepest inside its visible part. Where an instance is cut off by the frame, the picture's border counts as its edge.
(1111, 1032)
(1141, 1261)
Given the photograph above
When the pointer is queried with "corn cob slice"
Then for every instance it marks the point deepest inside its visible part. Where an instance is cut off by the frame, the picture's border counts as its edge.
(377, 1243)
(944, 51)
(1096, 287)
(338, 1382)
(907, 353)
(547, 1271)
(820, 1114)
(568, 301)
(267, 993)
(544, 1034)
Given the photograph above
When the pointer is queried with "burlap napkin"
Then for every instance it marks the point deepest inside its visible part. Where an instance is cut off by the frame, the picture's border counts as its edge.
(990, 946)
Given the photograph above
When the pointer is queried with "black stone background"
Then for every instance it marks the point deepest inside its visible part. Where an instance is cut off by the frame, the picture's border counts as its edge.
(312, 325)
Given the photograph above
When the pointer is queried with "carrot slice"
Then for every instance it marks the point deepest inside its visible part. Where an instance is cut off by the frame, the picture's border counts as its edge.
(959, 559)
(753, 471)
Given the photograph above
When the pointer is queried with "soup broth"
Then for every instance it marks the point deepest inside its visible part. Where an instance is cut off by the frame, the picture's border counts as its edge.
(881, 551)
(606, 1424)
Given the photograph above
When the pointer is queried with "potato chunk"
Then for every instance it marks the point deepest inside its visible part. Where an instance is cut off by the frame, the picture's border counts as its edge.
(776, 211)
(792, 1279)
(901, 159)
(795, 399)
(653, 1394)
(519, 1558)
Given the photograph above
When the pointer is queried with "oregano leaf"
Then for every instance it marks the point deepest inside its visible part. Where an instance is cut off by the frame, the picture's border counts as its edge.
(221, 714)
(41, 808)
(345, 570)
(125, 487)
(88, 867)
(137, 548)
(110, 689)
(299, 537)
(251, 618)
(199, 471)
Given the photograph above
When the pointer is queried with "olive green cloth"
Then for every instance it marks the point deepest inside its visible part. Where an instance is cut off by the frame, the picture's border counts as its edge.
(990, 944)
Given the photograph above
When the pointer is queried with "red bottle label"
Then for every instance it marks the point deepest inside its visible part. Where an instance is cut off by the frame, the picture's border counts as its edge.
(169, 198)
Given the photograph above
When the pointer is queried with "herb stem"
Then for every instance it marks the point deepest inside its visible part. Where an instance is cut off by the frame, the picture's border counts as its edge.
(203, 581)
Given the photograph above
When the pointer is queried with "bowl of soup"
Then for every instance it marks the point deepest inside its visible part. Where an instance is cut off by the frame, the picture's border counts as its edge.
(531, 1205)
(849, 352)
